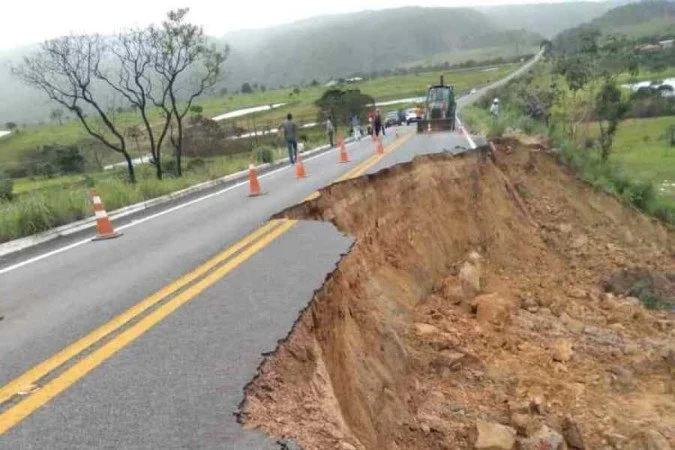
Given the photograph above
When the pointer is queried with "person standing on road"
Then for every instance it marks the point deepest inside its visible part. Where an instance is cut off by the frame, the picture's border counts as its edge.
(356, 127)
(330, 131)
(377, 123)
(290, 136)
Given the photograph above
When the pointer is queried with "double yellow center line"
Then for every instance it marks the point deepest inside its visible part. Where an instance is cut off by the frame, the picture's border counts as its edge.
(24, 396)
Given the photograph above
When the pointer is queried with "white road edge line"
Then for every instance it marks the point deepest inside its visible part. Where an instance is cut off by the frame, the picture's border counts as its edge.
(466, 134)
(153, 216)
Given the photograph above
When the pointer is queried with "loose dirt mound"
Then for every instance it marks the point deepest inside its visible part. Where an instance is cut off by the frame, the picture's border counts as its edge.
(471, 313)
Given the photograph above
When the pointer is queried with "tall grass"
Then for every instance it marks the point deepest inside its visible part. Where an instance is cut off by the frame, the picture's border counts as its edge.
(43, 209)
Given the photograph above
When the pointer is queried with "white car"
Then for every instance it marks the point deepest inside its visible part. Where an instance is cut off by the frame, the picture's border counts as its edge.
(473, 91)
(411, 116)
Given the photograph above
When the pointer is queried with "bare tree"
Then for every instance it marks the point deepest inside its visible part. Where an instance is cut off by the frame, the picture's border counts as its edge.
(131, 74)
(65, 69)
(187, 66)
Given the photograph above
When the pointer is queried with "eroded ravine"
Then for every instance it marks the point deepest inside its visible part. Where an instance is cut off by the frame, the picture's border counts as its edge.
(473, 293)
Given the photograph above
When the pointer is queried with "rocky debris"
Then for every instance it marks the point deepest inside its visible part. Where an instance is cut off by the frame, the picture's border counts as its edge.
(642, 283)
(579, 242)
(524, 424)
(544, 439)
(492, 308)
(615, 440)
(648, 440)
(346, 446)
(450, 289)
(424, 329)
(576, 292)
(622, 378)
(572, 435)
(575, 326)
(561, 350)
(608, 301)
(469, 277)
(494, 436)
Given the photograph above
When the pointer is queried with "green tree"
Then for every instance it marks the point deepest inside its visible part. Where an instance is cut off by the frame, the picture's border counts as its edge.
(610, 108)
(11, 126)
(341, 105)
(246, 88)
(197, 110)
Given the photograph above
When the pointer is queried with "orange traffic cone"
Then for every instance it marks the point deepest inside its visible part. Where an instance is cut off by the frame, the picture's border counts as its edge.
(380, 147)
(344, 157)
(429, 128)
(462, 132)
(104, 229)
(299, 168)
(253, 184)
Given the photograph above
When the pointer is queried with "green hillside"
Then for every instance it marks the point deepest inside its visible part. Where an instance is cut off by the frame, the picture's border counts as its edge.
(547, 19)
(635, 20)
(363, 42)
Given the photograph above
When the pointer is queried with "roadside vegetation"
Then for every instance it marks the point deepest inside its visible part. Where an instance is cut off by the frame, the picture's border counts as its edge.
(616, 138)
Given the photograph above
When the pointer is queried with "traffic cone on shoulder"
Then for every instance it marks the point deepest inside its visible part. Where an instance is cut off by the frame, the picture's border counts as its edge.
(396, 134)
(429, 128)
(104, 228)
(253, 184)
(344, 157)
(380, 147)
(299, 168)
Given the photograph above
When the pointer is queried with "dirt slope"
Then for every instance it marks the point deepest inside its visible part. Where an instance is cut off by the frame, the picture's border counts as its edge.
(476, 293)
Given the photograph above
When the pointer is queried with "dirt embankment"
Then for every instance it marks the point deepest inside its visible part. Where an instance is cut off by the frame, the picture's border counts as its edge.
(471, 313)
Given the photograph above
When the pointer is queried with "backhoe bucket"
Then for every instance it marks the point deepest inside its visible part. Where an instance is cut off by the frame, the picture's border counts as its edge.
(436, 125)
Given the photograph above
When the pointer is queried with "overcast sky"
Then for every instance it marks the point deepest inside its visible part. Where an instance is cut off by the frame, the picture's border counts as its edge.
(29, 21)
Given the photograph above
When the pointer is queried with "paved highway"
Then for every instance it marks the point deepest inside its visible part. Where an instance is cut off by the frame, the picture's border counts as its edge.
(146, 341)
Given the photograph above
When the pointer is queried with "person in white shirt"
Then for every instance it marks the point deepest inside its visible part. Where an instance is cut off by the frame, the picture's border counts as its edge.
(494, 109)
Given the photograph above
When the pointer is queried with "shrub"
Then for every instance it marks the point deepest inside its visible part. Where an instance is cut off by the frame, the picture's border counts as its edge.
(170, 167)
(641, 194)
(264, 154)
(195, 163)
(6, 187)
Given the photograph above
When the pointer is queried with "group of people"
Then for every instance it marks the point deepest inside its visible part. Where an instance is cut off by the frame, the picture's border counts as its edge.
(289, 131)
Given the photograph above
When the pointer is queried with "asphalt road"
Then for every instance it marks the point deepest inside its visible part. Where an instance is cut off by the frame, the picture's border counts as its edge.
(110, 345)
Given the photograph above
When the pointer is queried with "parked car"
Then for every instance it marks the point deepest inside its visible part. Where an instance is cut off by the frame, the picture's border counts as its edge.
(411, 116)
(391, 119)
(473, 91)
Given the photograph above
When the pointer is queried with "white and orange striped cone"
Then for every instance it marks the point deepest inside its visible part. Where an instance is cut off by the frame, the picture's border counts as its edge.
(344, 156)
(429, 128)
(299, 168)
(380, 147)
(253, 184)
(104, 228)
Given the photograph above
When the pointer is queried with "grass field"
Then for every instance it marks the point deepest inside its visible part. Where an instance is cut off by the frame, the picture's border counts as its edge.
(643, 152)
(479, 54)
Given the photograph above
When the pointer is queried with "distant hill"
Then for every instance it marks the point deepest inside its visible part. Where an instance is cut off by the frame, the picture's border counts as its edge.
(647, 18)
(547, 19)
(361, 42)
